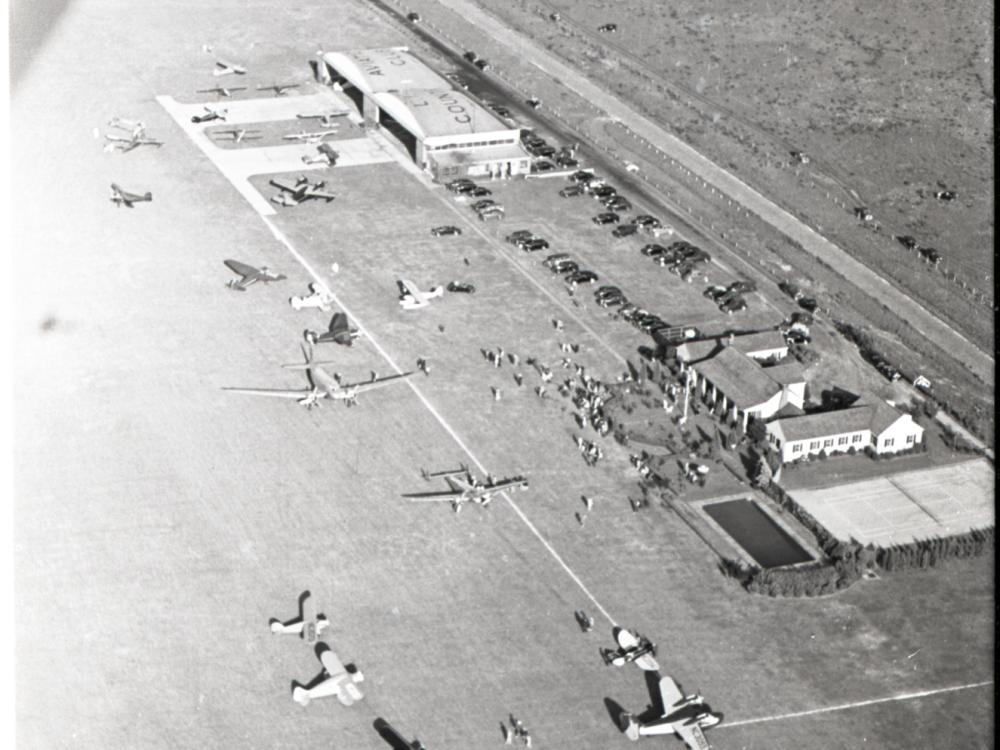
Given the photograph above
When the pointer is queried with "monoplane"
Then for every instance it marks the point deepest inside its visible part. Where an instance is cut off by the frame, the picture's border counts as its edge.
(322, 384)
(683, 715)
(339, 332)
(325, 118)
(224, 68)
(411, 298)
(632, 647)
(249, 275)
(221, 91)
(302, 190)
(308, 625)
(279, 89)
(320, 297)
(237, 135)
(309, 137)
(335, 679)
(325, 155)
(210, 114)
(464, 488)
(127, 143)
(122, 197)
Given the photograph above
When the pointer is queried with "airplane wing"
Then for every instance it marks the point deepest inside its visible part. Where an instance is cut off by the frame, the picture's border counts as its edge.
(408, 287)
(626, 640)
(670, 694)
(241, 268)
(308, 609)
(692, 736)
(340, 328)
(362, 387)
(332, 663)
(429, 497)
(270, 392)
(320, 194)
(349, 693)
(286, 188)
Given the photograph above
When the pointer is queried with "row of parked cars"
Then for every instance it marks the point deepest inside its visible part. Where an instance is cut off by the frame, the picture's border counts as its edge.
(485, 208)
(680, 257)
(730, 298)
(542, 150)
(927, 253)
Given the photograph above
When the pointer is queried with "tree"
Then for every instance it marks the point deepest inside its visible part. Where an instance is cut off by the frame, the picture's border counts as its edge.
(756, 430)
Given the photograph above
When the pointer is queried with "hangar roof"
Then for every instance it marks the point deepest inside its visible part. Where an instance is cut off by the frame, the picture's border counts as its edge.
(386, 69)
(430, 113)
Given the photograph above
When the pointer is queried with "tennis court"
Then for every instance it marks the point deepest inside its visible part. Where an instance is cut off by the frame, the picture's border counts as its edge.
(899, 508)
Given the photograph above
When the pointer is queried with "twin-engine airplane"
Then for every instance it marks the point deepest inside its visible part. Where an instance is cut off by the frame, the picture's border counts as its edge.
(279, 89)
(466, 488)
(683, 715)
(224, 68)
(136, 136)
(308, 625)
(124, 198)
(339, 332)
(237, 135)
(632, 647)
(249, 275)
(302, 190)
(322, 384)
(221, 91)
(335, 679)
(306, 136)
(411, 298)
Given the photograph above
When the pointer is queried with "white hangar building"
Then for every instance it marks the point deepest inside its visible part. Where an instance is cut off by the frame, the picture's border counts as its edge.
(445, 131)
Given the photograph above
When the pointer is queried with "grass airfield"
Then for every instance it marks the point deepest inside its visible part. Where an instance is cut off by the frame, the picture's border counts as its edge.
(160, 522)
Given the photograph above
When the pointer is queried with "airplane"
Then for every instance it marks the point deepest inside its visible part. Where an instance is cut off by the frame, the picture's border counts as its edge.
(302, 190)
(237, 135)
(222, 90)
(126, 144)
(279, 89)
(326, 154)
(210, 114)
(683, 715)
(308, 625)
(412, 298)
(466, 489)
(223, 68)
(124, 198)
(307, 137)
(632, 647)
(249, 275)
(325, 118)
(335, 679)
(339, 332)
(136, 127)
(321, 297)
(323, 384)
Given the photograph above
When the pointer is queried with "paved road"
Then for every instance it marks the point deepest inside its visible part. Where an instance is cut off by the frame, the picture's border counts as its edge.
(857, 273)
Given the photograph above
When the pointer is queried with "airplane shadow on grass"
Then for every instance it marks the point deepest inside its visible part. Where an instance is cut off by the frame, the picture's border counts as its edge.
(391, 735)
(298, 618)
(652, 711)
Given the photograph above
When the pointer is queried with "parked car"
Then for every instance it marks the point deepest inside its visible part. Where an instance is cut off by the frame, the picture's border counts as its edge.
(543, 166)
(534, 245)
(571, 192)
(582, 277)
(715, 291)
(645, 220)
(611, 300)
(566, 162)
(808, 304)
(459, 286)
(551, 260)
(617, 203)
(521, 234)
(484, 203)
(565, 266)
(608, 28)
(603, 191)
(482, 65)
(460, 185)
(582, 176)
(479, 192)
(624, 230)
(502, 111)
(491, 212)
(743, 286)
(906, 241)
(734, 305)
(445, 230)
(543, 151)
(606, 290)
(929, 254)
(470, 56)
(653, 250)
(413, 17)
(606, 218)
(804, 318)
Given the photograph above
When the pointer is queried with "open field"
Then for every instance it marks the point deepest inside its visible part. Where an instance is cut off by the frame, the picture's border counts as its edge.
(161, 522)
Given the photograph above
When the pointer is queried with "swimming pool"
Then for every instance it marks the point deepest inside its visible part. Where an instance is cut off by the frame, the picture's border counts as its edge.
(757, 533)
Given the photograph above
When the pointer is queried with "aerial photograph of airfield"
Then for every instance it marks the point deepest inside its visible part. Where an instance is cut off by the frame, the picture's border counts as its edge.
(446, 374)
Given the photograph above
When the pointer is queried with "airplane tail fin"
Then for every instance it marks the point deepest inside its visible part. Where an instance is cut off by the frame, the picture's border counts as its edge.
(630, 726)
(148, 197)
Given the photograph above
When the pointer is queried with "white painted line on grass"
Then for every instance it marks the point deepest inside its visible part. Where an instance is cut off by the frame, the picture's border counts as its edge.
(280, 236)
(857, 704)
